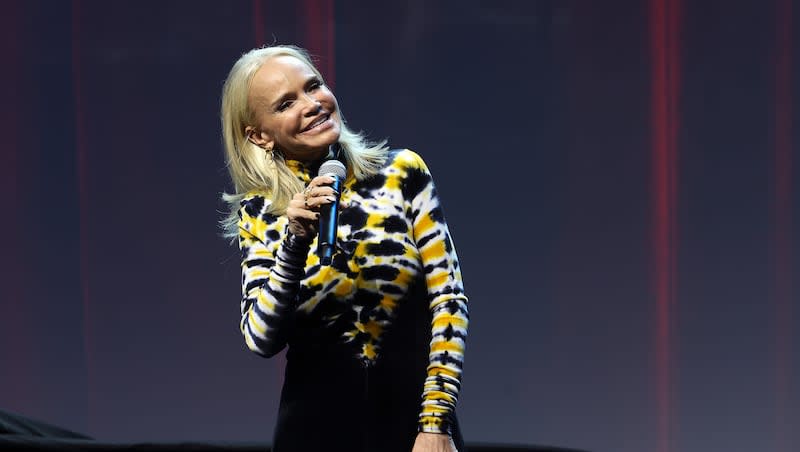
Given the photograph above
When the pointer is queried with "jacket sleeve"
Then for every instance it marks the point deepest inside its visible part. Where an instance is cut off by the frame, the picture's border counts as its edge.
(447, 301)
(273, 264)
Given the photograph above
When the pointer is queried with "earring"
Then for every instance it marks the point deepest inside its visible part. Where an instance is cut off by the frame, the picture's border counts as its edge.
(269, 153)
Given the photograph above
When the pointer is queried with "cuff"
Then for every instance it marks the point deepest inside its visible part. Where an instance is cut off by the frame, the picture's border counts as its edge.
(434, 424)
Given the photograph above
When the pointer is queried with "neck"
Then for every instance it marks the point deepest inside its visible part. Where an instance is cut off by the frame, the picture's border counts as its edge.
(310, 158)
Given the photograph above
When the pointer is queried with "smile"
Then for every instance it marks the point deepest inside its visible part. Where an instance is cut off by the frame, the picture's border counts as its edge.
(321, 121)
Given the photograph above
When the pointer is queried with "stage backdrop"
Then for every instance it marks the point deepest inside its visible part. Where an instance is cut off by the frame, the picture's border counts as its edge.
(618, 177)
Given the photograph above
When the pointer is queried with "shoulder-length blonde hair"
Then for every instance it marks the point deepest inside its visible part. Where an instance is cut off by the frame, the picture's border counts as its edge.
(250, 167)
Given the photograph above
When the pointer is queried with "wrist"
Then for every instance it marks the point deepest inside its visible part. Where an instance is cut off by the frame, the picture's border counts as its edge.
(434, 426)
(294, 242)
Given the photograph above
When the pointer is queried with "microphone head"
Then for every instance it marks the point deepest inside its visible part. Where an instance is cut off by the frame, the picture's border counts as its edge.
(333, 168)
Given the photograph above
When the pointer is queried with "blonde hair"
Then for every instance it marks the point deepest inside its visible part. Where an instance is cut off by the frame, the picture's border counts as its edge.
(250, 167)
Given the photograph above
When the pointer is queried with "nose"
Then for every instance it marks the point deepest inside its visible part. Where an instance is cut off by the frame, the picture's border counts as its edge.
(313, 105)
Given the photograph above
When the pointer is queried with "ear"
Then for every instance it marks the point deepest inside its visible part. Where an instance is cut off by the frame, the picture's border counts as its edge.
(260, 139)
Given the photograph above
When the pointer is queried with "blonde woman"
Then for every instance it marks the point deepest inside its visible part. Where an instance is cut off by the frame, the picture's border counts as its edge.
(376, 338)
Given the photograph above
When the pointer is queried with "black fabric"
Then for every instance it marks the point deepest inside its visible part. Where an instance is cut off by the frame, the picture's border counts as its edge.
(332, 401)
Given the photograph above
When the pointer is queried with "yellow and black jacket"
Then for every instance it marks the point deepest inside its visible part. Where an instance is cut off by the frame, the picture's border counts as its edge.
(376, 339)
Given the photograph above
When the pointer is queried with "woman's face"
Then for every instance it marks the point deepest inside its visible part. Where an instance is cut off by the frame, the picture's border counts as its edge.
(294, 111)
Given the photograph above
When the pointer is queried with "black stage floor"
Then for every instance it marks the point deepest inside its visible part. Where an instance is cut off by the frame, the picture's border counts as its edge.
(20, 433)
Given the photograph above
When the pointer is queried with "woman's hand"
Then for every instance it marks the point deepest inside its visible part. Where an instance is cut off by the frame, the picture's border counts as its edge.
(434, 442)
(303, 210)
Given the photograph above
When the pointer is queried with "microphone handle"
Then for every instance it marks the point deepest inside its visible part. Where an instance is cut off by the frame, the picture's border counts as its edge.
(328, 221)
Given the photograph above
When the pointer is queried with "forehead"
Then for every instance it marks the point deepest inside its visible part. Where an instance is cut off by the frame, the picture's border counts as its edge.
(278, 74)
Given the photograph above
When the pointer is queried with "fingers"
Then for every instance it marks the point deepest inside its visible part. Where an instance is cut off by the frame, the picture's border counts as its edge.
(320, 186)
(318, 197)
(302, 207)
(321, 180)
(314, 203)
(318, 193)
(307, 207)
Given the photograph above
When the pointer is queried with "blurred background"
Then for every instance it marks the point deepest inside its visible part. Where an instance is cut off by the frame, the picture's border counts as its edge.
(618, 178)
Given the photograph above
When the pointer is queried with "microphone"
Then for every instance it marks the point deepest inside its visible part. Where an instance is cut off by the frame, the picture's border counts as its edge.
(329, 213)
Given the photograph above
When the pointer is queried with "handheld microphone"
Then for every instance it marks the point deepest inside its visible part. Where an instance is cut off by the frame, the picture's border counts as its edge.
(329, 213)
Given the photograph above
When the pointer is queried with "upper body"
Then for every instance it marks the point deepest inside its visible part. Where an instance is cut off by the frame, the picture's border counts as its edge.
(391, 237)
(279, 122)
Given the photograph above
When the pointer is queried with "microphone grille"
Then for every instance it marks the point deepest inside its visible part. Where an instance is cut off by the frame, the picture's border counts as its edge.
(333, 167)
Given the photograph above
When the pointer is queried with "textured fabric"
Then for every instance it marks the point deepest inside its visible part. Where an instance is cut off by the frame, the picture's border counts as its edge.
(388, 316)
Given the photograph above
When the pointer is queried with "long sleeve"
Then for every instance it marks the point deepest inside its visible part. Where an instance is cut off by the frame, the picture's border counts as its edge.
(272, 268)
(447, 301)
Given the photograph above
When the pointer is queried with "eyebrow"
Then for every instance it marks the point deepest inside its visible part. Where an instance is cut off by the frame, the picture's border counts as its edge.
(282, 99)
(289, 95)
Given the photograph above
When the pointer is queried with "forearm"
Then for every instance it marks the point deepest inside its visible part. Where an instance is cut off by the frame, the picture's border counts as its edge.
(270, 305)
(443, 383)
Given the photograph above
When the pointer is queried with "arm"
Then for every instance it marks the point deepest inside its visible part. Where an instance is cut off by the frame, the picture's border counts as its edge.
(447, 301)
(273, 264)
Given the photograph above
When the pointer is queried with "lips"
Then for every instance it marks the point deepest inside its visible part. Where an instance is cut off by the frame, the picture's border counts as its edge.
(317, 122)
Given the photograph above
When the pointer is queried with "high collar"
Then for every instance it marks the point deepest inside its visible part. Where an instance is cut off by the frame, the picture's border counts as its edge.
(306, 171)
(303, 170)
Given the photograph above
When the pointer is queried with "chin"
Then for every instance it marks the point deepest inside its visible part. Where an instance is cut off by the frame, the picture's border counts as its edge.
(332, 137)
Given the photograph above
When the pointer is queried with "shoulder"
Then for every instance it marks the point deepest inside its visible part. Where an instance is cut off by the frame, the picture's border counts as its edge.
(405, 159)
(255, 205)
(407, 170)
(255, 219)
(403, 169)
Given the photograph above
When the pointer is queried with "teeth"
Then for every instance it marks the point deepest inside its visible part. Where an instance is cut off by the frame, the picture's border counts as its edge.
(318, 122)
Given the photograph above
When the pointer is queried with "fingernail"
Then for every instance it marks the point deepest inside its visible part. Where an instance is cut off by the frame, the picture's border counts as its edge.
(331, 198)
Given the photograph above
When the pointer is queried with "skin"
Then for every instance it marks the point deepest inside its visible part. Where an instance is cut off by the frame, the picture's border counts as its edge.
(434, 442)
(288, 99)
(297, 114)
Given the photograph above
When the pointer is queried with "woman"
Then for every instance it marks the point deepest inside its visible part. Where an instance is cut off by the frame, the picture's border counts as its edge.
(376, 338)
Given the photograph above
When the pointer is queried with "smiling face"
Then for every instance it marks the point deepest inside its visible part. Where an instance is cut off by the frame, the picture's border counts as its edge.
(293, 110)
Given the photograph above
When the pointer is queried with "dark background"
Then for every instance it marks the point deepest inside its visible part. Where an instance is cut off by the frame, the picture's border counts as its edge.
(617, 175)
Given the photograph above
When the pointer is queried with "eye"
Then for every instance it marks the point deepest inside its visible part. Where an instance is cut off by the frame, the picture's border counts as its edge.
(314, 85)
(284, 105)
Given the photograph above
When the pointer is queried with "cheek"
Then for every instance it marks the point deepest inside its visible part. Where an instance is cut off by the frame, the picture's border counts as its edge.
(283, 123)
(292, 125)
(327, 96)
(265, 122)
